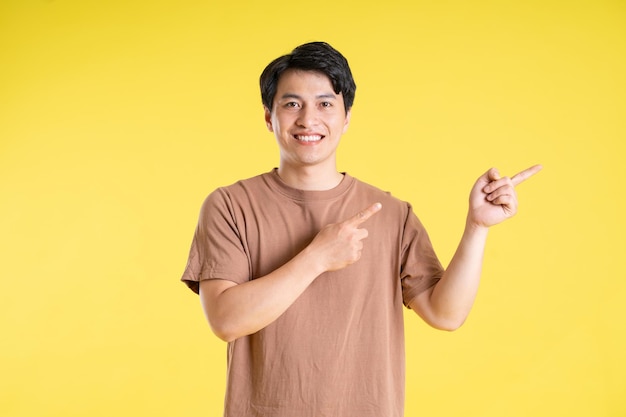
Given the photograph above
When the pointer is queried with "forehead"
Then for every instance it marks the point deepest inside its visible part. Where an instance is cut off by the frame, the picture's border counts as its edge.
(294, 81)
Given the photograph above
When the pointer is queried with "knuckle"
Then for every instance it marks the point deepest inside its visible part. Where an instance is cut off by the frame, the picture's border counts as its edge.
(344, 229)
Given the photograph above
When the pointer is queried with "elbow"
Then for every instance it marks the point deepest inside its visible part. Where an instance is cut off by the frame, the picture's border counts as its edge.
(223, 331)
(445, 317)
(226, 337)
(228, 328)
(437, 319)
(448, 324)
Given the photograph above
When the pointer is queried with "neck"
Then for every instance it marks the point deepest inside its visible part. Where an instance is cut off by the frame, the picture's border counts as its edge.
(310, 178)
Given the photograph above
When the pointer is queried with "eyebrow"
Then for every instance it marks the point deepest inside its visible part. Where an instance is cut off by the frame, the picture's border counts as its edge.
(296, 96)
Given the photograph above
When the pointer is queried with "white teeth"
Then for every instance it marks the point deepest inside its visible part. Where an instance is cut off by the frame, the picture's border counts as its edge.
(311, 138)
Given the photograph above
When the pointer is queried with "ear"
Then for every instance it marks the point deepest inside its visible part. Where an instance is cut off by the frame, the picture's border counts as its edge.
(346, 122)
(268, 119)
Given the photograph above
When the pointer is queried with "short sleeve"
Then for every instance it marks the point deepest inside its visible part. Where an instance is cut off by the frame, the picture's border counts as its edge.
(217, 251)
(420, 267)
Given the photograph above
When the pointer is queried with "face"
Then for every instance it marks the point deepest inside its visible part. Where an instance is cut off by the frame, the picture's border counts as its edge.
(308, 119)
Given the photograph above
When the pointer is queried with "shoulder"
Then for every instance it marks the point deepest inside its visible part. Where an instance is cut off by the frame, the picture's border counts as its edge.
(241, 187)
(245, 185)
(386, 198)
(226, 198)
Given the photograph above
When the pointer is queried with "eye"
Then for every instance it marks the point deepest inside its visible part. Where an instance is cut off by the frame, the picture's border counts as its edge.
(292, 104)
(326, 104)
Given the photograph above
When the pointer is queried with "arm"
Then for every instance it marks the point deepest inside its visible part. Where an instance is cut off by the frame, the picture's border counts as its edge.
(447, 304)
(235, 310)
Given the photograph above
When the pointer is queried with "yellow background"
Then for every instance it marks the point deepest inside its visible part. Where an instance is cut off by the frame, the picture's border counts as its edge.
(118, 117)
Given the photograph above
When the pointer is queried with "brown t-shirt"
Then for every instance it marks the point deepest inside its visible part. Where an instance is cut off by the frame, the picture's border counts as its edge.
(338, 351)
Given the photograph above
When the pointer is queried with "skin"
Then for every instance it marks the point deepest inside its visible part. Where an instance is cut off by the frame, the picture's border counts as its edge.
(308, 119)
(306, 105)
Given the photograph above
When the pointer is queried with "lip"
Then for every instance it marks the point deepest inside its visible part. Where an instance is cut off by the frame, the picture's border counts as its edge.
(308, 138)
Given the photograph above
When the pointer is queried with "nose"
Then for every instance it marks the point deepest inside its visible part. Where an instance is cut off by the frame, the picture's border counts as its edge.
(307, 117)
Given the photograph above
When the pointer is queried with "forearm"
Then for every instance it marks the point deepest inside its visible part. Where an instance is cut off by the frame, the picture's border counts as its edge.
(452, 298)
(492, 200)
(235, 310)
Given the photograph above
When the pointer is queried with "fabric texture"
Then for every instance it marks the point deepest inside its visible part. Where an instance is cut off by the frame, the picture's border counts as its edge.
(338, 350)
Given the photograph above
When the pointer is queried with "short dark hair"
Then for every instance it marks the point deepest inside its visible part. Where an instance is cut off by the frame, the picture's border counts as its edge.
(313, 56)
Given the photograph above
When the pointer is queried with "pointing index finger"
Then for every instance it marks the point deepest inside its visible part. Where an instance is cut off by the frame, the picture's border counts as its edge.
(525, 174)
(363, 215)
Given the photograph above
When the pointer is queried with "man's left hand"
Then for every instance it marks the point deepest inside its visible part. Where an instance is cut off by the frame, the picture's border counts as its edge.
(493, 198)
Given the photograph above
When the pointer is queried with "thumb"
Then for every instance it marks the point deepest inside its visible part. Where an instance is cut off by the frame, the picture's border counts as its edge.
(493, 174)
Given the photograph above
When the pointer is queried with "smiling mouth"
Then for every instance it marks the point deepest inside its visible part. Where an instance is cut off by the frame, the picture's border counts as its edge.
(309, 138)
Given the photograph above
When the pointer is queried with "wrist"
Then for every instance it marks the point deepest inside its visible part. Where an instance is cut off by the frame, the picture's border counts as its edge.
(311, 262)
(475, 228)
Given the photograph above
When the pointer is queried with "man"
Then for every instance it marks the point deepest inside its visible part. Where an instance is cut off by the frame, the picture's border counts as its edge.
(304, 270)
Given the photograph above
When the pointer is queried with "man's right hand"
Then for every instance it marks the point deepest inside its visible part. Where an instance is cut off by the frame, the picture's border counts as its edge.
(340, 244)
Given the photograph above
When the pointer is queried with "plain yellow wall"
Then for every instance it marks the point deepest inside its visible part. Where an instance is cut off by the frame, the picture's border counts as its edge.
(118, 117)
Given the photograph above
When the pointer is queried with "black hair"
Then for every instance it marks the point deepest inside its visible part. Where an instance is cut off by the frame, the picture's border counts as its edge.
(313, 56)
